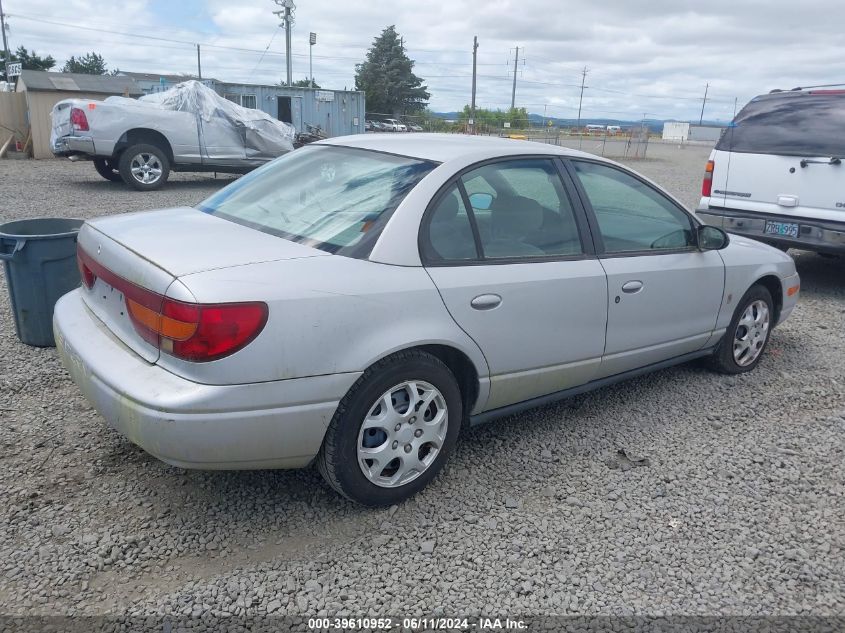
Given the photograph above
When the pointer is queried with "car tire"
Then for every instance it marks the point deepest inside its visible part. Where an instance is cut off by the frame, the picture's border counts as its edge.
(354, 433)
(748, 334)
(107, 169)
(144, 167)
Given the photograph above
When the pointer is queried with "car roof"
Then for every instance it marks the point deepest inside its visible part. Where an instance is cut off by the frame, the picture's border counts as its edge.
(445, 147)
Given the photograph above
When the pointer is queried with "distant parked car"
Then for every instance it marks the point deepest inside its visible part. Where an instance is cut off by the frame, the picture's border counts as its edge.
(361, 301)
(777, 172)
(413, 127)
(368, 126)
(186, 128)
(394, 125)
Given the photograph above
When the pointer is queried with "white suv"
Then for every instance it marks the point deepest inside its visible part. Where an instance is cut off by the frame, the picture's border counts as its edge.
(777, 172)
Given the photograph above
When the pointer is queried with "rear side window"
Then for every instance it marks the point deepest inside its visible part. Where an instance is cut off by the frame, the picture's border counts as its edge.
(450, 235)
(798, 124)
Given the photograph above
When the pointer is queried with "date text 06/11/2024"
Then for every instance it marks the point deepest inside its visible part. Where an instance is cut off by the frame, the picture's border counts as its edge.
(418, 624)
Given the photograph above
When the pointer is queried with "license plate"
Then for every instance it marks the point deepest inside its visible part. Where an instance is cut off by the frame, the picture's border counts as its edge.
(786, 229)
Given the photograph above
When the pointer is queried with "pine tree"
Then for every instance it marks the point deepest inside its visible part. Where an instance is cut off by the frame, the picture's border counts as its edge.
(29, 60)
(302, 83)
(388, 79)
(88, 64)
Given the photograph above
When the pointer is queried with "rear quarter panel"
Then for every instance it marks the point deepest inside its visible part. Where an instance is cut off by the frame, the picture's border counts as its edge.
(110, 120)
(328, 315)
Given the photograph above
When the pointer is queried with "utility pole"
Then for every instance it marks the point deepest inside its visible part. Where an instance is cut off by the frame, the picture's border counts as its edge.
(703, 103)
(199, 63)
(472, 103)
(286, 16)
(312, 39)
(580, 101)
(513, 92)
(5, 41)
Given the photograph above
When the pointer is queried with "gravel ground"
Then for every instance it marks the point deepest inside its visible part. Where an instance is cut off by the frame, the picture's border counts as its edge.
(737, 509)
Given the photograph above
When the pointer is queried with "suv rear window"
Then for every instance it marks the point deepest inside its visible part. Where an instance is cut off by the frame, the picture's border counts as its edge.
(793, 124)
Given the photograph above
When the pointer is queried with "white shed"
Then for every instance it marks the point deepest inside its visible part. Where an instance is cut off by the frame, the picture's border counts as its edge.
(675, 131)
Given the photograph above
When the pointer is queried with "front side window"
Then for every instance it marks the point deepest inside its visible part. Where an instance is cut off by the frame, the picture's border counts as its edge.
(336, 199)
(522, 210)
(632, 215)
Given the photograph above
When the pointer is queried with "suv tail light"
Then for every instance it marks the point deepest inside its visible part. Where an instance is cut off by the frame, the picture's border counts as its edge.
(78, 120)
(196, 332)
(707, 183)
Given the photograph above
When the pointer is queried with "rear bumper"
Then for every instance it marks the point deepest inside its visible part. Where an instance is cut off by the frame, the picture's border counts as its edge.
(73, 146)
(822, 236)
(276, 424)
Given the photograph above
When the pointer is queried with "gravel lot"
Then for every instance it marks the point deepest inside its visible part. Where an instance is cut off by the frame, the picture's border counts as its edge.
(739, 509)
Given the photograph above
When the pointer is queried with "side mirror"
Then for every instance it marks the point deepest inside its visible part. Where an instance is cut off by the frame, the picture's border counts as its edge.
(712, 238)
(481, 201)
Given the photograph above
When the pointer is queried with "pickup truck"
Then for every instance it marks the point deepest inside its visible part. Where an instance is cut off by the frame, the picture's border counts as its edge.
(187, 128)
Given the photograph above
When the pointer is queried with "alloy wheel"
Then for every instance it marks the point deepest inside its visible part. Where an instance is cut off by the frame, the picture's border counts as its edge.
(146, 168)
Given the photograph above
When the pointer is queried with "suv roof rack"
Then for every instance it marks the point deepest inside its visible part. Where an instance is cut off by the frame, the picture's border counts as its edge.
(799, 88)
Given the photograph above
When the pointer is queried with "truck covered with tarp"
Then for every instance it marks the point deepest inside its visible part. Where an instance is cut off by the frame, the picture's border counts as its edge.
(188, 127)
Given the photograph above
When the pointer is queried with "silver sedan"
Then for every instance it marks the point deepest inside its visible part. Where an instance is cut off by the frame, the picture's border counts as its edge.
(358, 302)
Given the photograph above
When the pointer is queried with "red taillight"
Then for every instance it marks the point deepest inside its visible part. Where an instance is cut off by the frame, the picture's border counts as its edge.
(216, 329)
(78, 120)
(195, 332)
(707, 183)
(88, 277)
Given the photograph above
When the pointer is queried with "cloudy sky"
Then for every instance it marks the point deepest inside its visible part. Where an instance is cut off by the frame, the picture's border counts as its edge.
(648, 58)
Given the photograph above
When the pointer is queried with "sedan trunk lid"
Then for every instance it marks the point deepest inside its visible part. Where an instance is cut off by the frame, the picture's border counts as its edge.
(152, 254)
(184, 240)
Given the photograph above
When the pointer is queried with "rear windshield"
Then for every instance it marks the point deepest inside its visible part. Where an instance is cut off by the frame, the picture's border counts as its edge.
(803, 124)
(333, 198)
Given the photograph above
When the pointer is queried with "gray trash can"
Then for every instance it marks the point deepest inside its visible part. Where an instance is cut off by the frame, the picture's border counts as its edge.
(40, 261)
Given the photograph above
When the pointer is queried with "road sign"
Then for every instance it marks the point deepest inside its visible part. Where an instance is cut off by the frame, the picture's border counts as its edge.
(13, 69)
(312, 38)
(507, 123)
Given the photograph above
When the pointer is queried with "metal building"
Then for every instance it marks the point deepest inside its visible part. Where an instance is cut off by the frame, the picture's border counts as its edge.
(675, 131)
(337, 112)
(708, 133)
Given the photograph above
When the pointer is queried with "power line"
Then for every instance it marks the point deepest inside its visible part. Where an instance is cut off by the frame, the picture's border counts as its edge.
(263, 53)
(275, 32)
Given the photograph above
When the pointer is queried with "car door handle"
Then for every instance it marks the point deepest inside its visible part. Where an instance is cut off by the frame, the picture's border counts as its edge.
(486, 302)
(632, 286)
